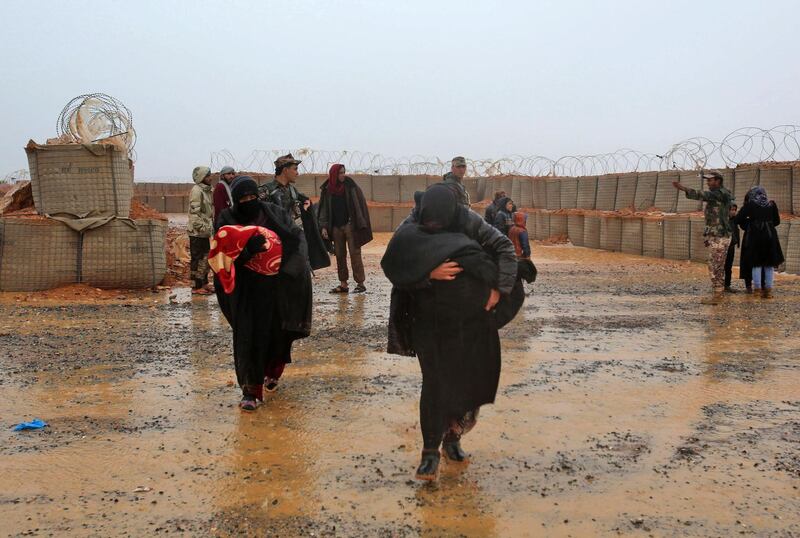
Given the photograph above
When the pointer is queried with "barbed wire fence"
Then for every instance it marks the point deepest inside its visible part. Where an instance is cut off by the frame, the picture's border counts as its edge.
(16, 176)
(742, 146)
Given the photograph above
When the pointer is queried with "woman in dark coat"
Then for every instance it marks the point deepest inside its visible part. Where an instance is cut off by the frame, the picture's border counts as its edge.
(266, 313)
(759, 216)
(344, 219)
(445, 310)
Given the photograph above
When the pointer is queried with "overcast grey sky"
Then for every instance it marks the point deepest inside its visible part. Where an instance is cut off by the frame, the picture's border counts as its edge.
(483, 79)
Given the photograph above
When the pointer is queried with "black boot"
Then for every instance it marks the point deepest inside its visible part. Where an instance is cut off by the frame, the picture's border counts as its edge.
(453, 450)
(429, 465)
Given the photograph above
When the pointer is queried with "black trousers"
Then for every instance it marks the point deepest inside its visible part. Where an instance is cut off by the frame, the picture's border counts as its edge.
(729, 264)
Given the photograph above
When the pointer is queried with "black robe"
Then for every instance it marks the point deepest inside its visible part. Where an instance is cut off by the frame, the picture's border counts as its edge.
(444, 322)
(267, 313)
(760, 245)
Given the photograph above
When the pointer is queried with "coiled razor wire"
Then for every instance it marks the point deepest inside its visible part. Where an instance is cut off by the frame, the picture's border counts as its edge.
(16, 176)
(745, 145)
(96, 117)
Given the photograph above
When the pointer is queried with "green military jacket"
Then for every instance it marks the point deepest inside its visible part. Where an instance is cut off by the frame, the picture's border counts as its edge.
(288, 197)
(717, 210)
(461, 193)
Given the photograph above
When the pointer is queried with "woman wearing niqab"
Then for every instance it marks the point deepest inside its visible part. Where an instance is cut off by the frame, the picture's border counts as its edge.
(450, 322)
(266, 312)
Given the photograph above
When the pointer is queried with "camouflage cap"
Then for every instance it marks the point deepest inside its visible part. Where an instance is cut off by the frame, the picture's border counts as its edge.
(459, 161)
(711, 174)
(283, 160)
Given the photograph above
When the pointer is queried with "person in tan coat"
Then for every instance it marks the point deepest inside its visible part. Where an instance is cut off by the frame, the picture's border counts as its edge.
(200, 228)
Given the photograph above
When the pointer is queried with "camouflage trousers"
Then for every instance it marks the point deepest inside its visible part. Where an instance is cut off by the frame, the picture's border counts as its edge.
(198, 266)
(717, 252)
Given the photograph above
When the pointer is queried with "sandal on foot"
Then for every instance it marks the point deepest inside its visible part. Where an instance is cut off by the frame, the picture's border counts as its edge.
(270, 385)
(361, 288)
(340, 289)
(429, 465)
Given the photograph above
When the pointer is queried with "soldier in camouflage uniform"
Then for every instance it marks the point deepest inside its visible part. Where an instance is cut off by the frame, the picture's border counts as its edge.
(718, 228)
(281, 190)
(454, 178)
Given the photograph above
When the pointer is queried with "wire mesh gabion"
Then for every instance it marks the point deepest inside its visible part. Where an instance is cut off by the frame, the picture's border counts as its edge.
(95, 117)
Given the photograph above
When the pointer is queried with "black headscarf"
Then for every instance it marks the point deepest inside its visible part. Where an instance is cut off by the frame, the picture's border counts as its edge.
(241, 186)
(438, 208)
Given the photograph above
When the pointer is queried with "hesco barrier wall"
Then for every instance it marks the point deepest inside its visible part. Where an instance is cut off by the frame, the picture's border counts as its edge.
(116, 255)
(668, 236)
(611, 233)
(124, 254)
(77, 179)
(25, 243)
(591, 232)
(676, 238)
(575, 230)
(653, 237)
(632, 235)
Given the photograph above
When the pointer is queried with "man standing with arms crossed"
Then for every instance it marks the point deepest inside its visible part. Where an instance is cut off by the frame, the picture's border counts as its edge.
(717, 231)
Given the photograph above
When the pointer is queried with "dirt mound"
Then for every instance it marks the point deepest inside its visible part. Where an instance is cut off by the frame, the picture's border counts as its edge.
(144, 211)
(177, 257)
(20, 197)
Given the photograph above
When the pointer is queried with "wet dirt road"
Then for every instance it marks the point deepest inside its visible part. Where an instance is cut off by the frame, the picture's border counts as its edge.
(625, 407)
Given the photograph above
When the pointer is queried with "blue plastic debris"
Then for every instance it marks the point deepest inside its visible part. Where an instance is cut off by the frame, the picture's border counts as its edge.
(34, 424)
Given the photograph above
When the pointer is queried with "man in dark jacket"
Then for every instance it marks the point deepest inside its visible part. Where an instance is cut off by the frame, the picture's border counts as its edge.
(455, 177)
(282, 192)
(491, 210)
(222, 192)
(344, 219)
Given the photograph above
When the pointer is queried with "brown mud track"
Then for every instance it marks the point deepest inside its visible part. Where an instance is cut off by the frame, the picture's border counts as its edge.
(625, 407)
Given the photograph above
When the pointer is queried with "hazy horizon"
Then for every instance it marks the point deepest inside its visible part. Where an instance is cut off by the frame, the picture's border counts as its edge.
(482, 79)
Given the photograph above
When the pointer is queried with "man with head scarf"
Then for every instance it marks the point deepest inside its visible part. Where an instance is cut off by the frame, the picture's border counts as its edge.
(222, 192)
(266, 312)
(455, 283)
(282, 192)
(717, 232)
(455, 180)
(201, 212)
(344, 219)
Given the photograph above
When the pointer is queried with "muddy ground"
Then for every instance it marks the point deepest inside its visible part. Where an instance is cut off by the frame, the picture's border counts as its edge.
(625, 407)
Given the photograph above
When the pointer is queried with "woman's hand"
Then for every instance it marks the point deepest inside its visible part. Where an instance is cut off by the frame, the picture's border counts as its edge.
(494, 298)
(324, 233)
(256, 243)
(446, 271)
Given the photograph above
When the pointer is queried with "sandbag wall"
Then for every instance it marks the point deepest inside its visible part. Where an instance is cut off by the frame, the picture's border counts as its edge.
(37, 252)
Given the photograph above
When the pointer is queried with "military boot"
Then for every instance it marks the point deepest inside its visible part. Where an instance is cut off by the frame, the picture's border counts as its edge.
(713, 299)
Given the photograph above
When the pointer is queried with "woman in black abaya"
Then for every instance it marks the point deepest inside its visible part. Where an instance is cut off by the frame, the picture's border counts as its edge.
(446, 288)
(266, 312)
